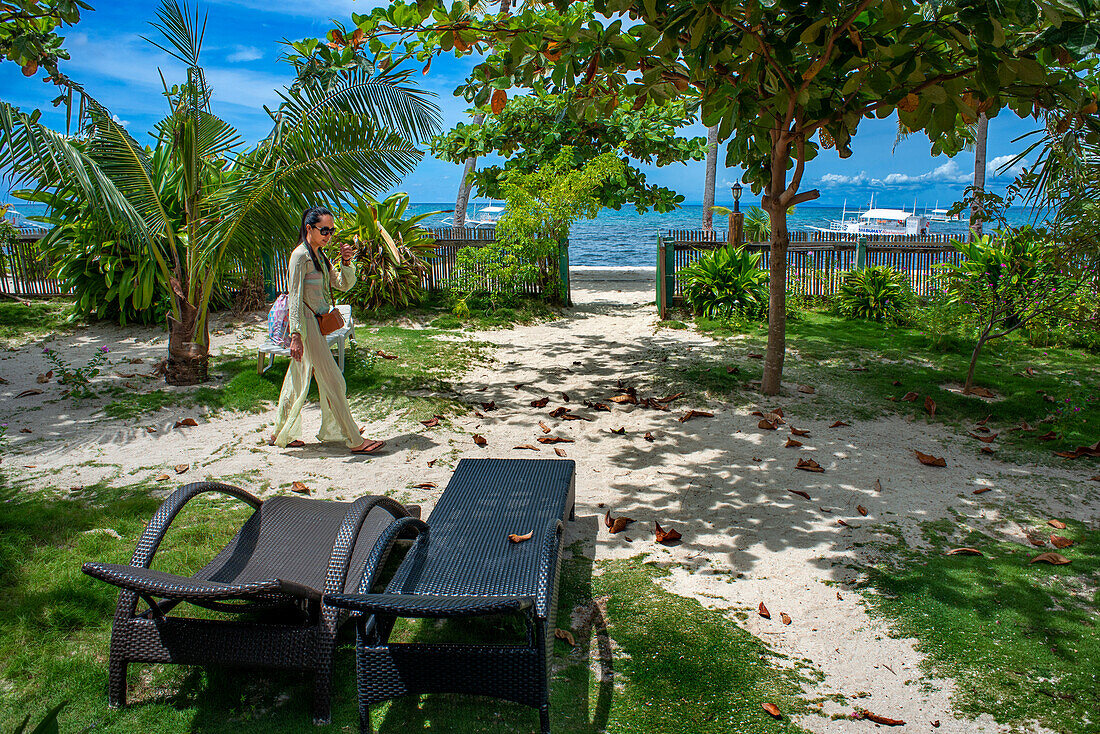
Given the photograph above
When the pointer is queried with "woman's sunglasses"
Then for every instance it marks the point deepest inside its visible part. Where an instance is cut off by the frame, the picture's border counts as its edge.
(325, 231)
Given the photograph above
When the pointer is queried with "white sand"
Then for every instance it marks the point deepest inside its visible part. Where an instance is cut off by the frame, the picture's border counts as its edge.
(720, 481)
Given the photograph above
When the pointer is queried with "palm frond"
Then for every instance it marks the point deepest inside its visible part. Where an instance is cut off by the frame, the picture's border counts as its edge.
(180, 32)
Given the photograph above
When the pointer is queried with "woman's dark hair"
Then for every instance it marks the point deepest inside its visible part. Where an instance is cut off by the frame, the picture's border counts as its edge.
(310, 217)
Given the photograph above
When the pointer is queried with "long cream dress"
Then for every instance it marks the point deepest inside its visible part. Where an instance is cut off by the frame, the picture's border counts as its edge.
(306, 290)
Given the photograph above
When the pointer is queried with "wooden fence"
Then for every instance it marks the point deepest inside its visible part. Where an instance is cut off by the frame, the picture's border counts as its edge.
(22, 271)
(816, 261)
(448, 241)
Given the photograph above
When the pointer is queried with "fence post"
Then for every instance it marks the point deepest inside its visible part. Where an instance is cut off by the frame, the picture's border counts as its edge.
(861, 253)
(662, 296)
(563, 269)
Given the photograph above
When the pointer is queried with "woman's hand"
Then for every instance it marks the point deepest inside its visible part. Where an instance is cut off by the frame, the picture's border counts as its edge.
(296, 348)
(347, 252)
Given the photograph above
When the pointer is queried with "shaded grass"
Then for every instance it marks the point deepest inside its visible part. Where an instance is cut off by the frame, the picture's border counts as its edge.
(678, 667)
(822, 348)
(438, 311)
(1020, 640)
(21, 320)
(376, 385)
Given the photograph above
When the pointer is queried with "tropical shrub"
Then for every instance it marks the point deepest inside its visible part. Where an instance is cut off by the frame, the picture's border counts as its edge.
(876, 293)
(391, 251)
(1075, 323)
(726, 281)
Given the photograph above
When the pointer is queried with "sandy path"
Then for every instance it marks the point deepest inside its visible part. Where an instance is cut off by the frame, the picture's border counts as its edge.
(721, 481)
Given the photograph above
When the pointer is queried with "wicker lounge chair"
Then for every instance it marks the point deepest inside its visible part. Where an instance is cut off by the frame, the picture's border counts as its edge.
(462, 565)
(284, 558)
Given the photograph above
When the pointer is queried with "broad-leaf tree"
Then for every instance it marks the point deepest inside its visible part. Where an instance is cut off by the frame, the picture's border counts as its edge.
(28, 32)
(353, 132)
(530, 131)
(782, 79)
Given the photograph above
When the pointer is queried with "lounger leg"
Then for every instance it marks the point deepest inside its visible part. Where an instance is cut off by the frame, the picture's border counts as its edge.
(116, 682)
(544, 718)
(365, 725)
(322, 678)
(260, 363)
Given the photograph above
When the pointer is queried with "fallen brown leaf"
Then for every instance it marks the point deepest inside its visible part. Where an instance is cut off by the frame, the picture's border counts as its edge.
(838, 424)
(617, 524)
(554, 439)
(1059, 542)
(187, 422)
(878, 485)
(299, 487)
(772, 709)
(1022, 427)
(754, 355)
(629, 399)
(806, 389)
(841, 522)
(1054, 559)
(986, 450)
(559, 412)
(965, 552)
(545, 428)
(885, 721)
(163, 477)
(792, 444)
(150, 429)
(984, 439)
(800, 493)
(431, 462)
(985, 420)
(799, 432)
(527, 446)
(763, 611)
(808, 465)
(1048, 436)
(520, 538)
(857, 369)
(25, 430)
(559, 452)
(181, 468)
(479, 439)
(929, 460)
(425, 485)
(785, 617)
(665, 536)
(930, 406)
(982, 490)
(599, 407)
(29, 392)
(565, 636)
(540, 403)
(909, 397)
(648, 436)
(766, 425)
(1037, 540)
(43, 379)
(384, 355)
(565, 397)
(695, 414)
(491, 405)
(861, 510)
(1057, 524)
(3, 381)
(431, 423)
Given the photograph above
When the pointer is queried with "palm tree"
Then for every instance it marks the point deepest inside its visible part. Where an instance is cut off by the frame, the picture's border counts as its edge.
(349, 133)
(466, 183)
(981, 133)
(712, 171)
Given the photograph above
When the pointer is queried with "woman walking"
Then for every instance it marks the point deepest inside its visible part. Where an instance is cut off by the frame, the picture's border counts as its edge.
(310, 278)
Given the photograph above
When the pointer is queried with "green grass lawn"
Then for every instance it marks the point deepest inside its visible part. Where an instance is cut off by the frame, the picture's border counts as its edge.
(20, 320)
(1063, 394)
(438, 310)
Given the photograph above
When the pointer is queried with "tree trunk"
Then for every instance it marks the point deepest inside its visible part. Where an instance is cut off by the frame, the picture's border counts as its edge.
(465, 184)
(777, 303)
(981, 134)
(973, 364)
(712, 171)
(188, 360)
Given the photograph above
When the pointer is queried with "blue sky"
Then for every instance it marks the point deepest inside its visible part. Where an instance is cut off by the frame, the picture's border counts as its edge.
(241, 56)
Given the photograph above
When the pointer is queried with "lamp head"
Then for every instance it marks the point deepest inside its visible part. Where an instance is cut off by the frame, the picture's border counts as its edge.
(736, 192)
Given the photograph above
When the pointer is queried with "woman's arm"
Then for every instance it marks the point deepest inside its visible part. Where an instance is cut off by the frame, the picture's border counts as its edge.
(342, 274)
(296, 290)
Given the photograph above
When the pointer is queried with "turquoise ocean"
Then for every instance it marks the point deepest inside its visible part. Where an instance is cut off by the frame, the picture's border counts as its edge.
(626, 238)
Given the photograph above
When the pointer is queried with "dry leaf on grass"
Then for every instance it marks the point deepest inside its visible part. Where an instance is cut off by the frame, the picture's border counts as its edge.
(885, 721)
(861, 510)
(1056, 524)
(520, 538)
(425, 485)
(986, 450)
(929, 460)
(754, 355)
(1054, 559)
(1036, 540)
(984, 439)
(163, 477)
(560, 452)
(665, 536)
(527, 446)
(763, 611)
(187, 422)
(792, 444)
(384, 355)
(181, 468)
(1059, 542)
(299, 487)
(801, 493)
(909, 397)
(965, 552)
(540, 403)
(772, 709)
(838, 424)
(785, 617)
(431, 422)
(695, 414)
(981, 392)
(565, 636)
(930, 406)
(479, 439)
(29, 392)
(981, 490)
(806, 389)
(617, 524)
(799, 432)
(1024, 426)
(554, 439)
(1048, 436)
(808, 465)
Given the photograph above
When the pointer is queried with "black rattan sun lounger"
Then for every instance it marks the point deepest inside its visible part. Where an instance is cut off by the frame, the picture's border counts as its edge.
(289, 553)
(461, 565)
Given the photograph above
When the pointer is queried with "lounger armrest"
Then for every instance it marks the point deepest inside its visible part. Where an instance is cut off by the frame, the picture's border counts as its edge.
(384, 544)
(548, 562)
(166, 513)
(417, 605)
(337, 573)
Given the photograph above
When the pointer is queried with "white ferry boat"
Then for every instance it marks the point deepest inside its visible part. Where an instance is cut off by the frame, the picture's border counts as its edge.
(943, 215)
(879, 221)
(484, 218)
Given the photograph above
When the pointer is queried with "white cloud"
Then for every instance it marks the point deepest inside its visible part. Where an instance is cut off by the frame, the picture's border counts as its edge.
(831, 180)
(120, 121)
(244, 53)
(948, 173)
(993, 167)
